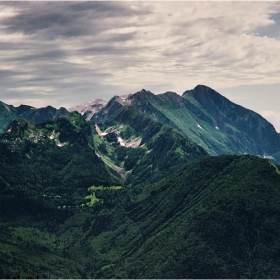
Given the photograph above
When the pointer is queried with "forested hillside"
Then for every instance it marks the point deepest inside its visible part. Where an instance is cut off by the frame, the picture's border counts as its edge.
(217, 218)
(51, 160)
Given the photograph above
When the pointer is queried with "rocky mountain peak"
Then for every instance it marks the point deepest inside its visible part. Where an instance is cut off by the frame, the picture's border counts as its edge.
(88, 109)
(202, 91)
(209, 98)
(24, 108)
(142, 92)
(170, 96)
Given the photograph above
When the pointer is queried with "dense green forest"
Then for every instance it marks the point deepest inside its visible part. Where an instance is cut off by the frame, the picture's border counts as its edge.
(216, 218)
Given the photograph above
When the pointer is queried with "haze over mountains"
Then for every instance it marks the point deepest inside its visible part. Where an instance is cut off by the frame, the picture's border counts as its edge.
(142, 186)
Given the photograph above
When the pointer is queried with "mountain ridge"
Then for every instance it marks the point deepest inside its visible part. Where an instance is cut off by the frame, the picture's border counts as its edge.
(209, 119)
(9, 113)
(201, 114)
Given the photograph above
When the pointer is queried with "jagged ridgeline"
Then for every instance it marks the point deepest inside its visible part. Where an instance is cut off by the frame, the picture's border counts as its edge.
(8, 113)
(208, 119)
(216, 218)
(201, 114)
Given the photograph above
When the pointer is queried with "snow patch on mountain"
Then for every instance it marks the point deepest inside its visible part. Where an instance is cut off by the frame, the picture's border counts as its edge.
(132, 143)
(60, 144)
(115, 129)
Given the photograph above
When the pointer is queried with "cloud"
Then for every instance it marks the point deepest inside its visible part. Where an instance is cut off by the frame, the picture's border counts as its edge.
(79, 51)
(53, 19)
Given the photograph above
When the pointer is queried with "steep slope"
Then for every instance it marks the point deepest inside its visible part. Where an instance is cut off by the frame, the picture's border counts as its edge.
(143, 150)
(46, 171)
(8, 113)
(244, 125)
(211, 121)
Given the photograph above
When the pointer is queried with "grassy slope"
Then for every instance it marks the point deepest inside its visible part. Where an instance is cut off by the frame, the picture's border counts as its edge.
(7, 114)
(252, 132)
(45, 173)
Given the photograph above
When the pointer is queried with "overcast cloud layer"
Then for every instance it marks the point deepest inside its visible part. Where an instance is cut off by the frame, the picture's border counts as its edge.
(66, 53)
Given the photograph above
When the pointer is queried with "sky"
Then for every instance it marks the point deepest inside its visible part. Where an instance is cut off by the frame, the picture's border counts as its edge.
(66, 53)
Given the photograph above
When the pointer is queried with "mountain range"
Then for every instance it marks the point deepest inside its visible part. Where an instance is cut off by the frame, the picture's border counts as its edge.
(8, 113)
(141, 186)
(207, 118)
(202, 115)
